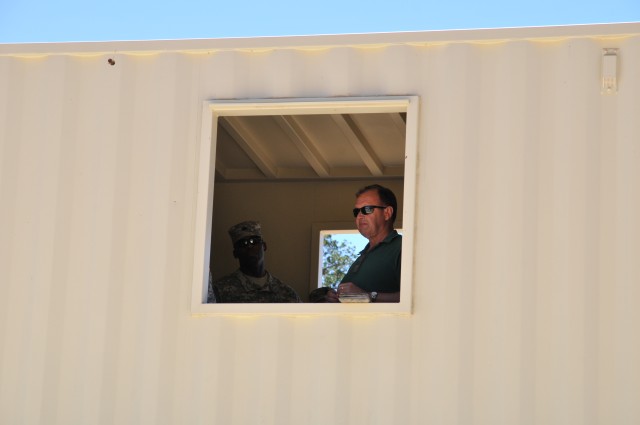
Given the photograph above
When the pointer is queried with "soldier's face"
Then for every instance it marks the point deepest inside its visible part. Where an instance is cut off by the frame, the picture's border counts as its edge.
(250, 249)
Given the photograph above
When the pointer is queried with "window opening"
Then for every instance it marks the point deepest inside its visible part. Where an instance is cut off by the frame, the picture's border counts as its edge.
(231, 132)
(339, 249)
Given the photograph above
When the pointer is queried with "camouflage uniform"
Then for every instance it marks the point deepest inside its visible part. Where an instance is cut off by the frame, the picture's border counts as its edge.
(211, 297)
(238, 288)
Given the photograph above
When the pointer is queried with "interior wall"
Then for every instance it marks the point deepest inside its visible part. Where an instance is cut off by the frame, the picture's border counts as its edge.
(287, 211)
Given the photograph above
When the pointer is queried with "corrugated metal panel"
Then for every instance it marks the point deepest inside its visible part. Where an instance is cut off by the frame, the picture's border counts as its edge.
(527, 237)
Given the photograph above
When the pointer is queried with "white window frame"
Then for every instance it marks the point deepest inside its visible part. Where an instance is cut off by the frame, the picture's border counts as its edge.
(214, 109)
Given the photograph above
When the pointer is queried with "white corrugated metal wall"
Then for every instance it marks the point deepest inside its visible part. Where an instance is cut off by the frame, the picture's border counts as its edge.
(527, 234)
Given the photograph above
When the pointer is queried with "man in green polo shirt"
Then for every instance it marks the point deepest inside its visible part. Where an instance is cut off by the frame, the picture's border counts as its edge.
(376, 271)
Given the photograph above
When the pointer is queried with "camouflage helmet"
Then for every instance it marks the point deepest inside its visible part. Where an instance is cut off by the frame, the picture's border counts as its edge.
(243, 230)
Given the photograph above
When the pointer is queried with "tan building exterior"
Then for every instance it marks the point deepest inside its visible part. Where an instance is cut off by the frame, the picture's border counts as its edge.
(521, 200)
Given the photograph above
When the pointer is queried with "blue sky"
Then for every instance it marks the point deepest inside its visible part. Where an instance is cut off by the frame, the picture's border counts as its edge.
(90, 20)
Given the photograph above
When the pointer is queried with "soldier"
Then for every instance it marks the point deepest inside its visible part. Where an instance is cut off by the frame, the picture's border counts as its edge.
(251, 283)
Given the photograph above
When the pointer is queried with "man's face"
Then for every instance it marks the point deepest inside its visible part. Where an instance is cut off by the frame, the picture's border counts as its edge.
(376, 223)
(250, 250)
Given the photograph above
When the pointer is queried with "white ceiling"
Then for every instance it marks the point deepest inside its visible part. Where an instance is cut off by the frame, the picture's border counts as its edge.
(308, 147)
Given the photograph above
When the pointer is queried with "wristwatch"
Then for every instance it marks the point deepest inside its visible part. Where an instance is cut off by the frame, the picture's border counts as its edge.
(373, 296)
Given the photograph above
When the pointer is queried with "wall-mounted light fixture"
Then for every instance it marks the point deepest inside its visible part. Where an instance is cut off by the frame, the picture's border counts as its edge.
(609, 71)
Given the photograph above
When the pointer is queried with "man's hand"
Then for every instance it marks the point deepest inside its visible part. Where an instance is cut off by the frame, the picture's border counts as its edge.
(350, 288)
(332, 296)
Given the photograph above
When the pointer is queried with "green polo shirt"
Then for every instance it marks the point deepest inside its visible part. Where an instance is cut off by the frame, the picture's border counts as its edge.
(379, 269)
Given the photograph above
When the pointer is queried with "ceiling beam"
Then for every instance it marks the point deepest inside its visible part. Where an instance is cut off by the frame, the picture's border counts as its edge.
(250, 144)
(359, 142)
(399, 123)
(305, 145)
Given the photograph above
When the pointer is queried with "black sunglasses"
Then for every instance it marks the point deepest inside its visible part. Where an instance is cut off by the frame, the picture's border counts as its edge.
(250, 241)
(366, 210)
